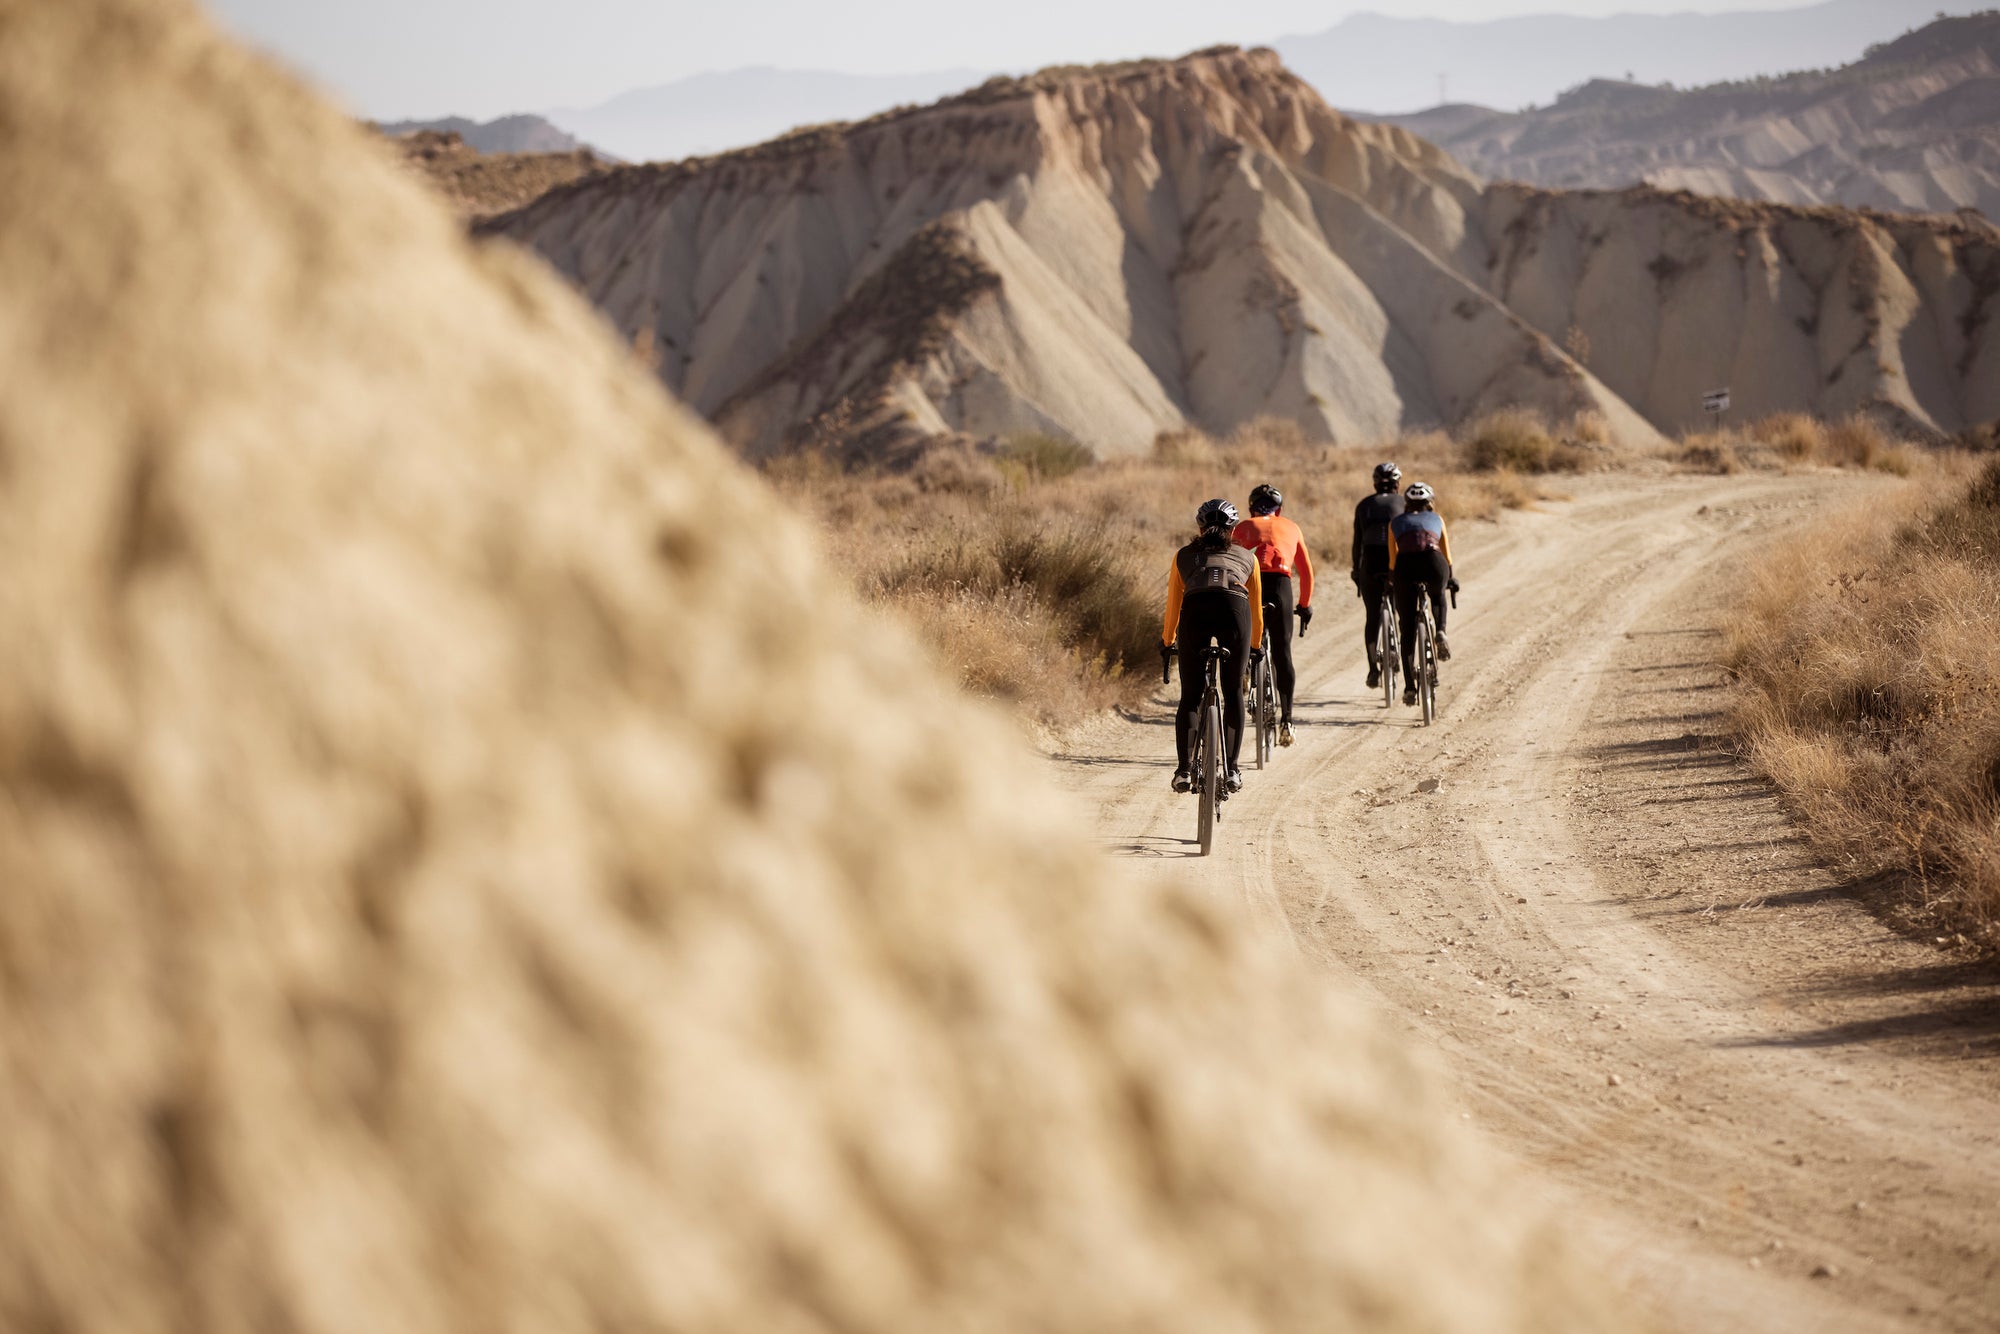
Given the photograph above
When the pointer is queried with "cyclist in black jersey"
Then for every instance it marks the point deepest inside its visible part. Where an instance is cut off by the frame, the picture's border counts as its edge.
(1213, 594)
(1371, 558)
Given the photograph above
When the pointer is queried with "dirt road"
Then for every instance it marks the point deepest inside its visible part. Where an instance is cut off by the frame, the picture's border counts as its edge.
(1772, 1110)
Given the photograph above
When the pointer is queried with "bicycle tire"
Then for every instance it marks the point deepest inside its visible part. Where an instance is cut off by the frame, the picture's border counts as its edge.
(1391, 649)
(1267, 707)
(1253, 716)
(1211, 771)
(1426, 665)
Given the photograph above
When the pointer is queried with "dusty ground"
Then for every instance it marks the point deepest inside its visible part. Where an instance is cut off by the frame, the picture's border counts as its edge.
(1773, 1111)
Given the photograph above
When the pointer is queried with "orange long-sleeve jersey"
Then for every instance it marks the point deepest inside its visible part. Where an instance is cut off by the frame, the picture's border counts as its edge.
(1280, 548)
(1177, 589)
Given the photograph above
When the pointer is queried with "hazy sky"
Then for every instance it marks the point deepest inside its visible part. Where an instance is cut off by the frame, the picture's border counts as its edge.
(395, 58)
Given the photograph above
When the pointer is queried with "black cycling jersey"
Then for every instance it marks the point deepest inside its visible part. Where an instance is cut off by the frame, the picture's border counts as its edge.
(1371, 522)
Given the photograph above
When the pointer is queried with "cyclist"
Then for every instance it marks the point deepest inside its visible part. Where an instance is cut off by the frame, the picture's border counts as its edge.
(1281, 549)
(1371, 558)
(1419, 565)
(1213, 593)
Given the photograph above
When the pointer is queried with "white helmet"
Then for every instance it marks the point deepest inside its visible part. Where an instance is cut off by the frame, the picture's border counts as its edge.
(1420, 491)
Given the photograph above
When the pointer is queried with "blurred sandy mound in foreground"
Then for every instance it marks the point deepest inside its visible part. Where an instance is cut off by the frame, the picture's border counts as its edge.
(453, 882)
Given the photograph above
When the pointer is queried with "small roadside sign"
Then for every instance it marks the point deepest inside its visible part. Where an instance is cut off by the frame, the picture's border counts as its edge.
(1715, 401)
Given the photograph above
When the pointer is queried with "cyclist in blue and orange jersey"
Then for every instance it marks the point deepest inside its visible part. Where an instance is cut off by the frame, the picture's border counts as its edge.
(1213, 593)
(1281, 555)
(1370, 570)
(1419, 565)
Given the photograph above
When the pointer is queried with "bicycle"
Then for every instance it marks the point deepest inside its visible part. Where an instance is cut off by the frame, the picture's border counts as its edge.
(1426, 656)
(1389, 645)
(1263, 705)
(1205, 754)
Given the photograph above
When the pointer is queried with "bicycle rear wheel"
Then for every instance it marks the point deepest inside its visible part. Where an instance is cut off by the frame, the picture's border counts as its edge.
(1426, 665)
(1254, 714)
(1210, 773)
(1266, 716)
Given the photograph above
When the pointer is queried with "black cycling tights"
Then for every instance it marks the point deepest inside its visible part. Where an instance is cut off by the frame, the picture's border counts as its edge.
(1374, 579)
(1278, 624)
(1419, 572)
(1225, 619)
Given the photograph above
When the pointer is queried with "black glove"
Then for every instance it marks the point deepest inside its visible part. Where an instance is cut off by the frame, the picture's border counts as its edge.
(1451, 585)
(1305, 619)
(1256, 656)
(1355, 575)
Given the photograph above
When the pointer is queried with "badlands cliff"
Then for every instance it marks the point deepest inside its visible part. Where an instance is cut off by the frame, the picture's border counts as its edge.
(1107, 253)
(1101, 253)
(480, 184)
(445, 888)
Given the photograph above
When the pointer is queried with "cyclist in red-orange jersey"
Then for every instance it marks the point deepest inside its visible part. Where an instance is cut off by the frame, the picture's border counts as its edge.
(1281, 557)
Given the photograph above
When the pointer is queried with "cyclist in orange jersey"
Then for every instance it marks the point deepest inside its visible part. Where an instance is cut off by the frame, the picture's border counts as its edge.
(1281, 557)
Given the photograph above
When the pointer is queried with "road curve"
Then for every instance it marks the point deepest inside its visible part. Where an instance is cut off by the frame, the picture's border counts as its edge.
(1773, 1111)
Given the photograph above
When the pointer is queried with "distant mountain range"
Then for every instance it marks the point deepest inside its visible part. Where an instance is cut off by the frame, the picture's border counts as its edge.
(711, 113)
(508, 134)
(1914, 125)
(1368, 62)
(1372, 62)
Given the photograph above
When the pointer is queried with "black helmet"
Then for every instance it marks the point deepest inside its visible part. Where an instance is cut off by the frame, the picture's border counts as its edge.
(1387, 475)
(1215, 516)
(1265, 499)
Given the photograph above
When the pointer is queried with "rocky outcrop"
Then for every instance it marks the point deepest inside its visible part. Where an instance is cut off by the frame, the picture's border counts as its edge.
(1915, 126)
(1168, 242)
(481, 184)
(448, 887)
(1668, 295)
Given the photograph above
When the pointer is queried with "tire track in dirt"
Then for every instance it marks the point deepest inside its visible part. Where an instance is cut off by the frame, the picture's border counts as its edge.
(1644, 985)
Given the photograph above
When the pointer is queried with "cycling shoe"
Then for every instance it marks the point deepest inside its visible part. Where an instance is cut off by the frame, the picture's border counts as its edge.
(1409, 695)
(1183, 780)
(1284, 734)
(1444, 649)
(1233, 782)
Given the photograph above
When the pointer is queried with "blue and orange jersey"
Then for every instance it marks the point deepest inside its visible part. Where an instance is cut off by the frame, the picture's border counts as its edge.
(1280, 548)
(1418, 530)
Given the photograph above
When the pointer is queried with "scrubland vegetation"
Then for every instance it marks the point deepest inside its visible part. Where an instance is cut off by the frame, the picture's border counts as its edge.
(1038, 574)
(1869, 658)
(1794, 439)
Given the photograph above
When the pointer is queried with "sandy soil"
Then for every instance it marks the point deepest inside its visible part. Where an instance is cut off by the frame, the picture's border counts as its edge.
(1773, 1112)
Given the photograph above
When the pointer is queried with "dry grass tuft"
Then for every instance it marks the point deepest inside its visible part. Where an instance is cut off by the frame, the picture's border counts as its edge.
(1871, 694)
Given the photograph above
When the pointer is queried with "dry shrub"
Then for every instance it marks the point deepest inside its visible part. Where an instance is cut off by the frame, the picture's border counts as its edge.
(468, 866)
(1512, 438)
(1266, 434)
(1185, 447)
(1856, 442)
(1871, 676)
(1712, 452)
(1795, 437)
(1046, 458)
(1590, 428)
